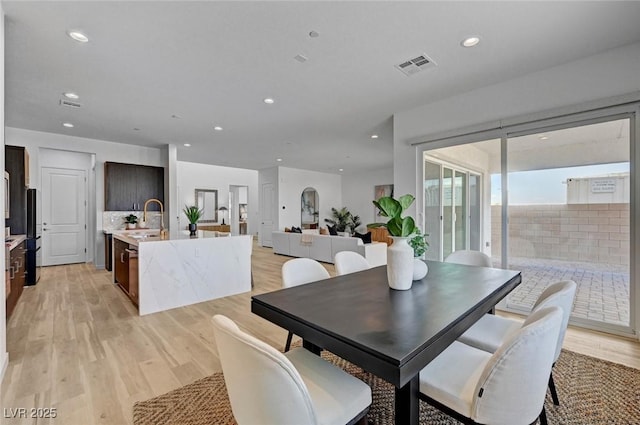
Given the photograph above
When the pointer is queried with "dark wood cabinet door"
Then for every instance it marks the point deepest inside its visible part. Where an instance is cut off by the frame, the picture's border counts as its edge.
(150, 185)
(108, 251)
(121, 264)
(129, 186)
(14, 164)
(119, 186)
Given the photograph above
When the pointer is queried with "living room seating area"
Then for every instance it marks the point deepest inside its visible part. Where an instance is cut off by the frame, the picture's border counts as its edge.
(323, 248)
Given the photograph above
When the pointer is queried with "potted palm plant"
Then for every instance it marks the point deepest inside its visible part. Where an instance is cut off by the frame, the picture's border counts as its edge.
(343, 220)
(399, 254)
(193, 215)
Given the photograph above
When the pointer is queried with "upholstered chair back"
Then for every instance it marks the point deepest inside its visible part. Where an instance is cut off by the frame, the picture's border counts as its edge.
(561, 294)
(263, 385)
(350, 262)
(513, 384)
(302, 270)
(469, 258)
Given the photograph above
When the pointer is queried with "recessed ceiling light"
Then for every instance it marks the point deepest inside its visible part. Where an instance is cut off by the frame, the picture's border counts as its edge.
(136, 129)
(470, 41)
(279, 159)
(187, 144)
(340, 169)
(67, 124)
(543, 137)
(217, 128)
(374, 136)
(176, 116)
(268, 101)
(78, 36)
(314, 34)
(70, 95)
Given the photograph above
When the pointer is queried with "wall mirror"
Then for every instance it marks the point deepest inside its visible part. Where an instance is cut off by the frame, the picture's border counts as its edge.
(309, 209)
(207, 201)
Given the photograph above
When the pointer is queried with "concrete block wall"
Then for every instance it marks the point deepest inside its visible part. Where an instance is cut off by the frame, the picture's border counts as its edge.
(573, 232)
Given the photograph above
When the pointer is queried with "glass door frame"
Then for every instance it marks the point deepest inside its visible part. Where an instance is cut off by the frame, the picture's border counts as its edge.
(455, 168)
(554, 120)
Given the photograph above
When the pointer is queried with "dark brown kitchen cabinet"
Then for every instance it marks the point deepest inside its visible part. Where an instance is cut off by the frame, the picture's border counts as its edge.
(16, 163)
(128, 186)
(17, 276)
(108, 251)
(126, 268)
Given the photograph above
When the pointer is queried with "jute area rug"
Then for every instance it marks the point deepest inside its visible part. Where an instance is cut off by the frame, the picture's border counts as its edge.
(591, 391)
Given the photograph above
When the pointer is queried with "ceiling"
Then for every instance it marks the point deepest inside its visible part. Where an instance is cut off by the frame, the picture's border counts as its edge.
(158, 73)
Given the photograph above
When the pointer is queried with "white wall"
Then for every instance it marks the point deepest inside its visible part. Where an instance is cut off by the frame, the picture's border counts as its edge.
(614, 72)
(104, 151)
(358, 193)
(193, 176)
(4, 356)
(291, 183)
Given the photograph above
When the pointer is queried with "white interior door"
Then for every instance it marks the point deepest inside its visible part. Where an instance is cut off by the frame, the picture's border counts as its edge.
(63, 216)
(266, 211)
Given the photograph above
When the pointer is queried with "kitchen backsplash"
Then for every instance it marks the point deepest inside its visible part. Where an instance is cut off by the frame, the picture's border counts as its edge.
(114, 220)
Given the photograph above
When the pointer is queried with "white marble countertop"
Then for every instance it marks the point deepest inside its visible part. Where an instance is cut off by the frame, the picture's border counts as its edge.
(14, 240)
(135, 237)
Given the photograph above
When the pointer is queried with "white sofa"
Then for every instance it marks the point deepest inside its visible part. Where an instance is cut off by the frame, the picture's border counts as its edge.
(325, 247)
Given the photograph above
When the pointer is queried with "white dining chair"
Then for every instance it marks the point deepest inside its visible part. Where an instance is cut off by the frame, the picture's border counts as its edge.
(469, 258)
(490, 332)
(507, 387)
(298, 272)
(268, 387)
(349, 262)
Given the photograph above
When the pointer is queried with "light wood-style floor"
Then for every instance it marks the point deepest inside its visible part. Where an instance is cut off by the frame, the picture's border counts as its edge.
(76, 344)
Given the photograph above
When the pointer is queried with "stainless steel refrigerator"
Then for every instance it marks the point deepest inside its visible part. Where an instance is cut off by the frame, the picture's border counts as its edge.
(34, 253)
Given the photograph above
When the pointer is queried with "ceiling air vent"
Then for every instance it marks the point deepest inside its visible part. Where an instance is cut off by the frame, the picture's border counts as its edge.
(417, 64)
(69, 104)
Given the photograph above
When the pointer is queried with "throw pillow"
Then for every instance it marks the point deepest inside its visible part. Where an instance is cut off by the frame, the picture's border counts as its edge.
(286, 229)
(324, 231)
(332, 230)
(296, 230)
(366, 238)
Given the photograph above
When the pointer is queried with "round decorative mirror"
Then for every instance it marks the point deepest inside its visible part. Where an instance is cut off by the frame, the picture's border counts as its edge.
(309, 208)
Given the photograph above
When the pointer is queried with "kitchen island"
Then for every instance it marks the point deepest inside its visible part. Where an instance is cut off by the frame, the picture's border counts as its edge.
(161, 274)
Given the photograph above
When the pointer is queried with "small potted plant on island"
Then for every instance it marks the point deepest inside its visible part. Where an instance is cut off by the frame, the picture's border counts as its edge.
(193, 215)
(131, 221)
(400, 253)
(419, 244)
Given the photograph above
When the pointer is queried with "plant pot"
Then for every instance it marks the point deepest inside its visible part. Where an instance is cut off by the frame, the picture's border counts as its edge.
(193, 227)
(400, 264)
(420, 269)
(131, 226)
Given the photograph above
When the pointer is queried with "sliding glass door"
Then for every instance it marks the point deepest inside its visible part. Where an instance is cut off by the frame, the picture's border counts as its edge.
(557, 203)
(569, 218)
(451, 210)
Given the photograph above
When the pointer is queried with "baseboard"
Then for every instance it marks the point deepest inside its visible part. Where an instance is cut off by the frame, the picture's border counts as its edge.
(5, 365)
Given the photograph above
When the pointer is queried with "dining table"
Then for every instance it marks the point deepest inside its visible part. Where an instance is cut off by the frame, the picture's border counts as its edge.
(389, 333)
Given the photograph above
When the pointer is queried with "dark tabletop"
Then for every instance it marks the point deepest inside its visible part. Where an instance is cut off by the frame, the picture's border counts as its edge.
(385, 331)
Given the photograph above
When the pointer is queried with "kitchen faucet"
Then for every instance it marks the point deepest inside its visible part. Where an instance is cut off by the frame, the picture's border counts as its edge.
(163, 232)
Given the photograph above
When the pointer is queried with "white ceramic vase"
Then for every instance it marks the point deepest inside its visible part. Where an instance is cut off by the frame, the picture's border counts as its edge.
(420, 269)
(400, 264)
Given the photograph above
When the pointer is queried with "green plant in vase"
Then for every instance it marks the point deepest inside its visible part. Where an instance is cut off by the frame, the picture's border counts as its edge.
(193, 215)
(393, 208)
(131, 221)
(400, 260)
(419, 244)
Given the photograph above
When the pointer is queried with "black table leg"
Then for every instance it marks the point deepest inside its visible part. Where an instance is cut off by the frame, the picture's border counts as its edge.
(407, 402)
(311, 347)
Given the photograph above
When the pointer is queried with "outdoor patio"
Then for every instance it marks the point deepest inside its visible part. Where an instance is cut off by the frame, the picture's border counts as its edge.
(603, 289)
